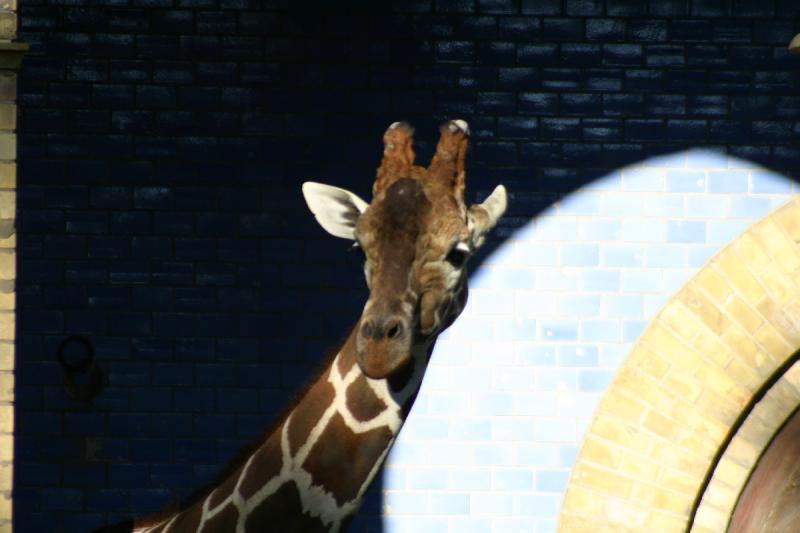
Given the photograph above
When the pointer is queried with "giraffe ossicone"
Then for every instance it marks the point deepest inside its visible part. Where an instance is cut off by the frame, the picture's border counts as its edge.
(311, 471)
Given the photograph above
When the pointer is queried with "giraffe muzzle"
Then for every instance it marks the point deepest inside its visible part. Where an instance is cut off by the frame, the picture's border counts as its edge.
(383, 345)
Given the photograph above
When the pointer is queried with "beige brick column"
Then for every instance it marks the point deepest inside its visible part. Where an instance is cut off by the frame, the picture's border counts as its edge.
(661, 438)
(11, 54)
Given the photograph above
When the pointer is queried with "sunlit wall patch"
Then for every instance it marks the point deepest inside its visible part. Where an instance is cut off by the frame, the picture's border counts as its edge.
(552, 313)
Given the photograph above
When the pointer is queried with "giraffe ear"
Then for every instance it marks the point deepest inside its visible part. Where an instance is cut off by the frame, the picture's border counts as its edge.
(482, 217)
(336, 210)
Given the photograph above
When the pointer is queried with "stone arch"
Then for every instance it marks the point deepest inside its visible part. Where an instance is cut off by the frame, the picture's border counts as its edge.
(700, 396)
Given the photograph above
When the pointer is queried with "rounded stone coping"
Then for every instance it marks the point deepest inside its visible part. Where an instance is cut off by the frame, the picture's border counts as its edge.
(659, 428)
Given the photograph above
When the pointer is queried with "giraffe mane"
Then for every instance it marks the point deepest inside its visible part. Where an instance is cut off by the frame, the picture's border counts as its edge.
(178, 505)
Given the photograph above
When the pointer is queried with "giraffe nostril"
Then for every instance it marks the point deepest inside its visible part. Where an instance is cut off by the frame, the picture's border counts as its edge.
(377, 329)
(366, 330)
(395, 330)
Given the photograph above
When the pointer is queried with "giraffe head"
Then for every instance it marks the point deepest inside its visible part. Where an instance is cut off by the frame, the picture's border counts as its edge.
(416, 236)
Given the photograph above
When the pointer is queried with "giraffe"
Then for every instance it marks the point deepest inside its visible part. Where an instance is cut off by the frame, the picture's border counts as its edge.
(311, 470)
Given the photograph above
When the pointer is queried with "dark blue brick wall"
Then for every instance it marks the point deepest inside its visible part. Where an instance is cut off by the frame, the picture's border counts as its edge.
(162, 148)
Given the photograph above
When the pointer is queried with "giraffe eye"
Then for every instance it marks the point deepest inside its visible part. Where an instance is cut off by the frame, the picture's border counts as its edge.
(458, 255)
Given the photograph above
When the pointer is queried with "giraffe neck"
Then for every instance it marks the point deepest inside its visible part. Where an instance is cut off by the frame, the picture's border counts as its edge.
(311, 473)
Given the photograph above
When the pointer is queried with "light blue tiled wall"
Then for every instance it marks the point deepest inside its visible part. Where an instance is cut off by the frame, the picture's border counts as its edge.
(513, 384)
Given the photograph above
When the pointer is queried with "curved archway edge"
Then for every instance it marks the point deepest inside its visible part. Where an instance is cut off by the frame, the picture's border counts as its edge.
(660, 441)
